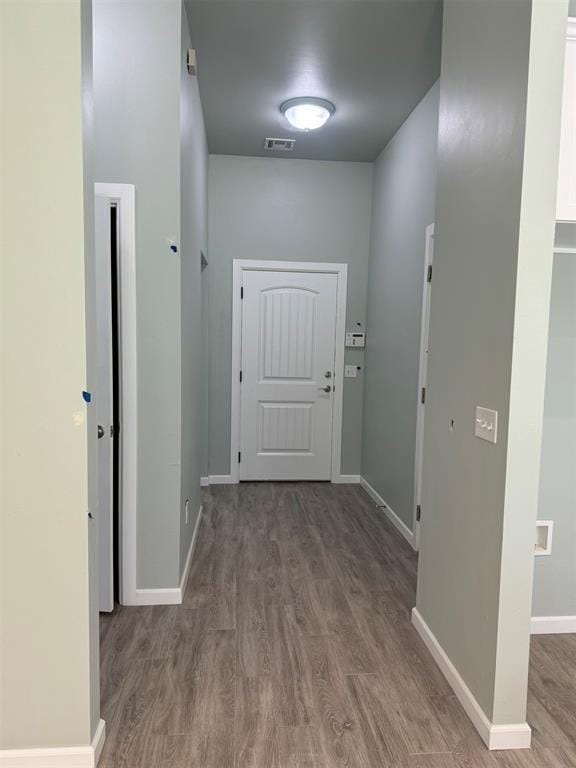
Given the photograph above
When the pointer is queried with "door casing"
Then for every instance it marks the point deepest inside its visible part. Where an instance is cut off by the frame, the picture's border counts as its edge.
(341, 271)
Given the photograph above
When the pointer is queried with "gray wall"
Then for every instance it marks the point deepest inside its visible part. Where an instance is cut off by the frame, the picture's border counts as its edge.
(138, 51)
(194, 222)
(402, 208)
(495, 206)
(555, 574)
(91, 356)
(47, 661)
(281, 209)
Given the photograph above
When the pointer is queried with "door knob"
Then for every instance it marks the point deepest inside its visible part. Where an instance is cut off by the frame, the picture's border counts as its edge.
(327, 388)
(100, 431)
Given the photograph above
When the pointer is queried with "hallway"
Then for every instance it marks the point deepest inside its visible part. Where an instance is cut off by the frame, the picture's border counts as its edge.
(294, 649)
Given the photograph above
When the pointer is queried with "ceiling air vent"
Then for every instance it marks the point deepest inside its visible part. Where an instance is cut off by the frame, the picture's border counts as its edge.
(279, 145)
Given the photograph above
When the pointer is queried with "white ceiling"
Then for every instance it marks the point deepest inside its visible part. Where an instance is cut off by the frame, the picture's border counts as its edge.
(373, 59)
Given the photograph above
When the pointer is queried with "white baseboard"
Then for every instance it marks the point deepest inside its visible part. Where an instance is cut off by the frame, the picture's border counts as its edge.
(389, 512)
(513, 736)
(160, 596)
(346, 479)
(57, 757)
(191, 548)
(230, 480)
(222, 480)
(98, 741)
(553, 625)
(170, 595)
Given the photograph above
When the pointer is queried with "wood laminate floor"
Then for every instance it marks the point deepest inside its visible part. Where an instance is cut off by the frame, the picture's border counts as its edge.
(293, 649)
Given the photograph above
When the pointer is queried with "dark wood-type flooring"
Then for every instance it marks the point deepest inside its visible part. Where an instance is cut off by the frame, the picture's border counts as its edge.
(294, 649)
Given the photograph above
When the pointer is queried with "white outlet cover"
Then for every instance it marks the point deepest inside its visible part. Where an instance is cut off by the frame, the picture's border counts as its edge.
(544, 530)
(486, 424)
(350, 371)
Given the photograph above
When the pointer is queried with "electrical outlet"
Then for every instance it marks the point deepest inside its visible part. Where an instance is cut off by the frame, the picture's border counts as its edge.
(187, 509)
(486, 424)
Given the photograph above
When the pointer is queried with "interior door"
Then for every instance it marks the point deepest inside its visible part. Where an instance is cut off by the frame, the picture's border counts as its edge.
(287, 389)
(104, 400)
(423, 374)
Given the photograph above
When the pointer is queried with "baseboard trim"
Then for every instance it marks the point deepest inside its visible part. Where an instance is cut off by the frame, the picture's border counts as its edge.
(346, 479)
(204, 481)
(170, 595)
(98, 741)
(389, 512)
(57, 757)
(191, 548)
(167, 596)
(513, 736)
(553, 625)
(222, 480)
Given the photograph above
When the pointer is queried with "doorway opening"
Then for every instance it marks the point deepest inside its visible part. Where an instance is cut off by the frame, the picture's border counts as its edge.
(116, 400)
(116, 413)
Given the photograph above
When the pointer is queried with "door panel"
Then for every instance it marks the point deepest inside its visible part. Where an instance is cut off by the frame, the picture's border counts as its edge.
(288, 347)
(104, 395)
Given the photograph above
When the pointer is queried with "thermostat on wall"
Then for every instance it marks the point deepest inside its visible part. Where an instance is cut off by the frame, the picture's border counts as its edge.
(355, 339)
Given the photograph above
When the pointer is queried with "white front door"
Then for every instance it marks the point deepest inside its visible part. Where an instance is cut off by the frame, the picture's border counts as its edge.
(287, 389)
(103, 400)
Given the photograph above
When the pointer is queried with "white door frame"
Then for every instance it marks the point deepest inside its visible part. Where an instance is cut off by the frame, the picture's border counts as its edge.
(422, 376)
(124, 196)
(341, 271)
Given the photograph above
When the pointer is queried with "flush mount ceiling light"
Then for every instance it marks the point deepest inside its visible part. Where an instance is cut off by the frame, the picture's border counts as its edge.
(307, 114)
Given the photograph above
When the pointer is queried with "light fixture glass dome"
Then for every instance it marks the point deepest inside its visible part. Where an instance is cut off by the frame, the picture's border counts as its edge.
(307, 114)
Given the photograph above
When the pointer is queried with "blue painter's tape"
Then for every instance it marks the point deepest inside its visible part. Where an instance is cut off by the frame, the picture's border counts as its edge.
(86, 396)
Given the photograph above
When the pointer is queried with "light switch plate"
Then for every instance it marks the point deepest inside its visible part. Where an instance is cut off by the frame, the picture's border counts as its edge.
(486, 424)
(350, 371)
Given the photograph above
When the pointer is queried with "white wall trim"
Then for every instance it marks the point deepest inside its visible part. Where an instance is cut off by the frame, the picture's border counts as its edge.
(346, 479)
(422, 378)
(171, 595)
(389, 512)
(204, 482)
(222, 480)
(553, 625)
(98, 740)
(513, 736)
(160, 596)
(57, 757)
(341, 270)
(124, 195)
(191, 548)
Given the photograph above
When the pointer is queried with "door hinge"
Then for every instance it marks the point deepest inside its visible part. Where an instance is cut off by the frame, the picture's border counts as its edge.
(429, 274)
(240, 376)
(241, 291)
(418, 513)
(423, 395)
(239, 457)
